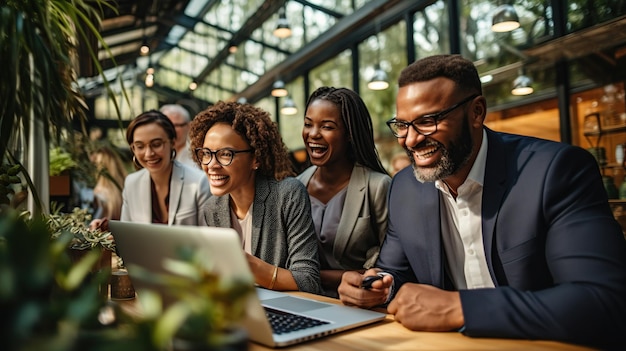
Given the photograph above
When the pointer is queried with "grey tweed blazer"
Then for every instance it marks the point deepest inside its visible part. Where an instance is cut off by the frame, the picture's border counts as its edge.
(282, 228)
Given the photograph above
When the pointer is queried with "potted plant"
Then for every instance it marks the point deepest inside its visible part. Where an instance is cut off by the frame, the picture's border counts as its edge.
(51, 302)
(83, 237)
(45, 298)
(61, 163)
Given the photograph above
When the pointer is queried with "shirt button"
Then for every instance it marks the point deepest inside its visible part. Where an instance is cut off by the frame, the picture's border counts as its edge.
(471, 252)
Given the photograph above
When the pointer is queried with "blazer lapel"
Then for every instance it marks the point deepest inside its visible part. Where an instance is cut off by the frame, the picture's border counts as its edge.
(355, 199)
(494, 189)
(176, 189)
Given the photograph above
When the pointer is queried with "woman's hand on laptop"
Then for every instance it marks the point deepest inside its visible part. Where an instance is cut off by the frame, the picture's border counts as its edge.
(358, 290)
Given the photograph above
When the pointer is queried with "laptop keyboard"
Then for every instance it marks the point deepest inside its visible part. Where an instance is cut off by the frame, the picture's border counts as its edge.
(285, 322)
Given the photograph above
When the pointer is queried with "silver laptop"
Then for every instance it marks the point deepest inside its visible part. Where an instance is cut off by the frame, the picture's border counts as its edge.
(147, 245)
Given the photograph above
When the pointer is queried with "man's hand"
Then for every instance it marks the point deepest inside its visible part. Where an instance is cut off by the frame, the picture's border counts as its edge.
(352, 294)
(426, 308)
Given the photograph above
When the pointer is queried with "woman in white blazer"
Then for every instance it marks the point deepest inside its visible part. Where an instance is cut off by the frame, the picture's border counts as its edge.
(347, 183)
(162, 190)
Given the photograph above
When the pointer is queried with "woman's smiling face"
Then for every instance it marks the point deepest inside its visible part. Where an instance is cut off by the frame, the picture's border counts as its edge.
(239, 175)
(152, 147)
(324, 133)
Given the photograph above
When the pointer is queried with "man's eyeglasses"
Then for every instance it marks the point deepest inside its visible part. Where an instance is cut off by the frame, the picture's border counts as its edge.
(426, 124)
(155, 145)
(223, 156)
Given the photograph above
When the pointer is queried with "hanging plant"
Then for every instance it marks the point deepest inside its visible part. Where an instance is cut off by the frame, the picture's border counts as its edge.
(39, 86)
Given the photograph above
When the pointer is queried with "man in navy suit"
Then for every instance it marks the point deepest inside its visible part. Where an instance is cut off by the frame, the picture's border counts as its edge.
(492, 234)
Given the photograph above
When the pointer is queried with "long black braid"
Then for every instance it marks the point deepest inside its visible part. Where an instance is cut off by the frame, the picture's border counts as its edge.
(358, 123)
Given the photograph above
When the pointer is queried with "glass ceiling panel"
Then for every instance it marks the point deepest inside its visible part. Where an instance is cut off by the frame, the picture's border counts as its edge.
(249, 56)
(232, 14)
(194, 7)
(316, 23)
(172, 59)
(254, 57)
(211, 93)
(206, 39)
(173, 37)
(225, 76)
(171, 79)
(236, 83)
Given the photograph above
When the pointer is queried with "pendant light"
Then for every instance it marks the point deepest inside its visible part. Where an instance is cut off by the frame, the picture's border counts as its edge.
(149, 81)
(504, 19)
(289, 107)
(282, 27)
(522, 85)
(278, 89)
(144, 50)
(379, 81)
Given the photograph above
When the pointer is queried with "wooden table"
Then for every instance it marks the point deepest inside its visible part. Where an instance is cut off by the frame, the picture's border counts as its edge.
(389, 335)
(392, 336)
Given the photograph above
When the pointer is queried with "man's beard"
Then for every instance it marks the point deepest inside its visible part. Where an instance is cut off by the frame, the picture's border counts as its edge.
(451, 160)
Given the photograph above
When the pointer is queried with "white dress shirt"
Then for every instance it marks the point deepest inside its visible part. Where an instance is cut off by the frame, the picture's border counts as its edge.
(461, 226)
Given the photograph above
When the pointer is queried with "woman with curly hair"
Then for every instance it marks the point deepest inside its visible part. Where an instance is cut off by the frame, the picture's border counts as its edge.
(347, 183)
(251, 178)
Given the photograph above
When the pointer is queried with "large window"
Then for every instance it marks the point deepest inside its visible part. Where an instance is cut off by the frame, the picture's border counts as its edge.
(383, 49)
(431, 33)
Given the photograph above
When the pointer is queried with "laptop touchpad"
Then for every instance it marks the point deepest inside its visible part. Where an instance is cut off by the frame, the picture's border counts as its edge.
(294, 304)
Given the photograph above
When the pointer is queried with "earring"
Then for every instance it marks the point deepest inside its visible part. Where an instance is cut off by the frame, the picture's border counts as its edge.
(173, 154)
(136, 162)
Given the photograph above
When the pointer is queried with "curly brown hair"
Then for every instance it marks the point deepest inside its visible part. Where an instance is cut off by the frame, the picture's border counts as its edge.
(255, 126)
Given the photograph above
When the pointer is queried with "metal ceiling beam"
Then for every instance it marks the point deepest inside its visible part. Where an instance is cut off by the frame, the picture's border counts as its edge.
(265, 11)
(351, 29)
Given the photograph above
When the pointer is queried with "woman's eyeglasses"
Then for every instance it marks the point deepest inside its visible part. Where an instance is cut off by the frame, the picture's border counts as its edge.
(155, 145)
(223, 156)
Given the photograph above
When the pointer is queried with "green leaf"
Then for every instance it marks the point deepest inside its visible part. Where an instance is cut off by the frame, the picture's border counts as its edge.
(79, 271)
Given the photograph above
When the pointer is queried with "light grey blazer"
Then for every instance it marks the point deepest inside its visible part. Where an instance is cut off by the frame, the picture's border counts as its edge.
(189, 193)
(363, 222)
(282, 228)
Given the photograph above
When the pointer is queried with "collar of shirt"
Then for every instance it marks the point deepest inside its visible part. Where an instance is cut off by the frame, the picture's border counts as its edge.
(476, 174)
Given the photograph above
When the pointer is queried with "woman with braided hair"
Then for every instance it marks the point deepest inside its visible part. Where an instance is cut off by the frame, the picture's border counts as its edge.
(347, 183)
(251, 178)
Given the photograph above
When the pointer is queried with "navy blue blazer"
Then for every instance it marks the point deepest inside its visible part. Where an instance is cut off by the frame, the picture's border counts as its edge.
(553, 248)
